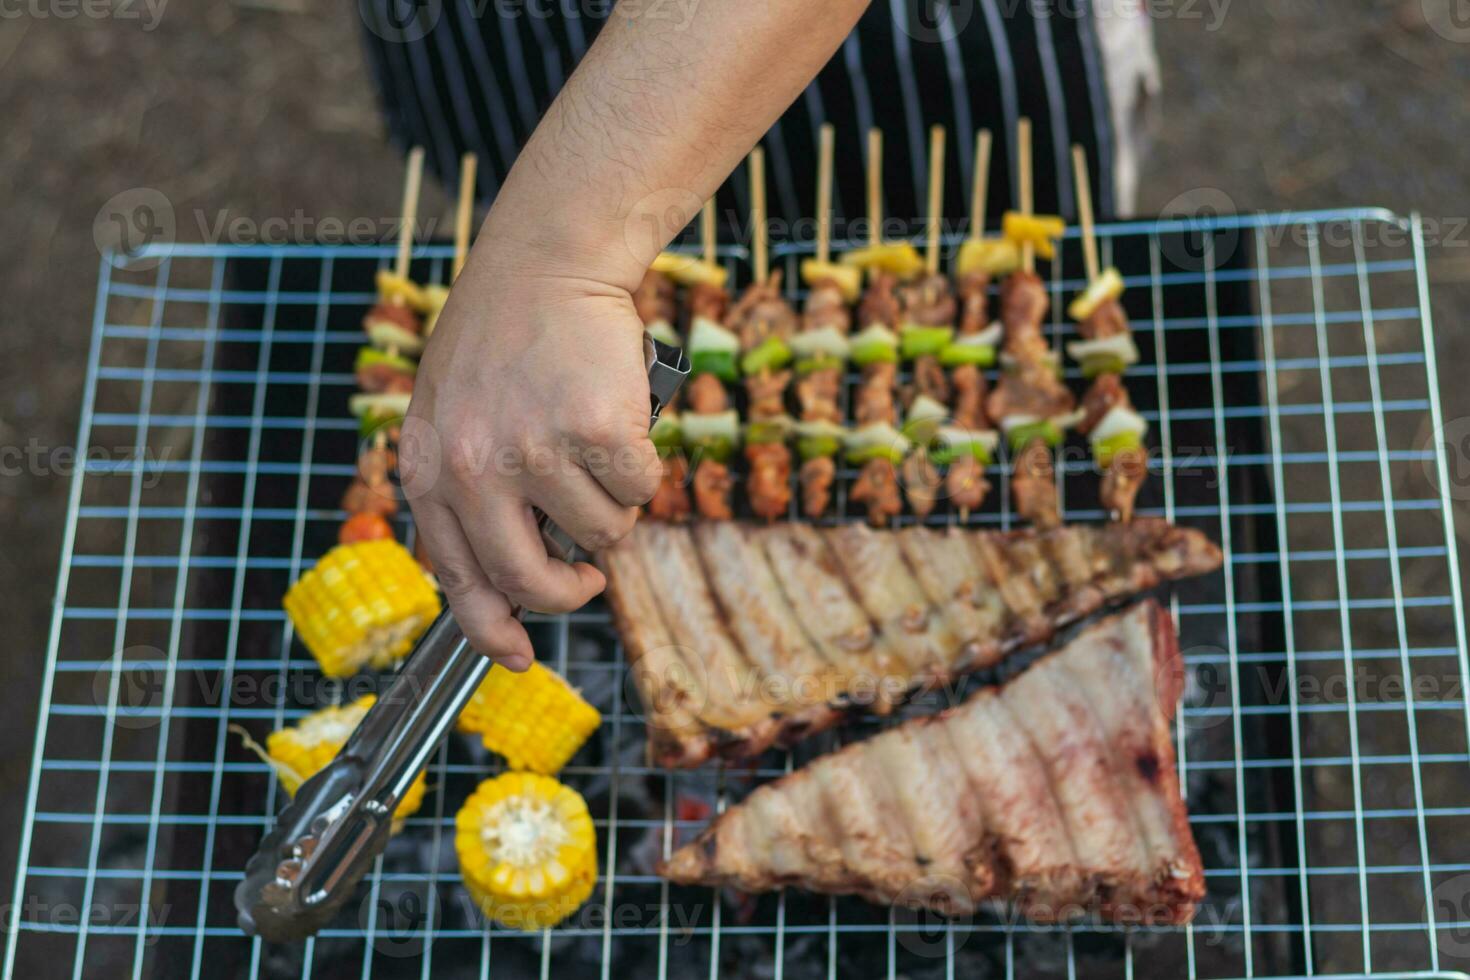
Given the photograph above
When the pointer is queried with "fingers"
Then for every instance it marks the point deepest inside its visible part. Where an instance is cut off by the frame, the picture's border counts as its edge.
(482, 611)
(581, 507)
(629, 472)
(509, 550)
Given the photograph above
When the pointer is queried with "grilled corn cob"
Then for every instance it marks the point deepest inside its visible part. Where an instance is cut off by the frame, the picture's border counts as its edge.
(527, 850)
(363, 604)
(299, 752)
(535, 719)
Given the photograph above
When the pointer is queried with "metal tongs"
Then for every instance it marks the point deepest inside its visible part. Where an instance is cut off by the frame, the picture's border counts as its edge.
(340, 820)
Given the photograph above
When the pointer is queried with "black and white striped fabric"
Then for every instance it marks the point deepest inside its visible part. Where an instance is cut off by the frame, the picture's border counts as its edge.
(476, 75)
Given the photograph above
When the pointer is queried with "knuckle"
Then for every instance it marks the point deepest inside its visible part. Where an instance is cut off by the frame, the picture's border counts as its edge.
(514, 581)
(457, 581)
(609, 533)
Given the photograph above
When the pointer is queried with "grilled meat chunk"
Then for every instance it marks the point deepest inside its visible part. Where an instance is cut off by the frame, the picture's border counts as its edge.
(877, 488)
(969, 398)
(671, 500)
(761, 312)
(816, 396)
(707, 395)
(1031, 389)
(928, 301)
(922, 483)
(965, 484)
(712, 485)
(769, 482)
(880, 304)
(1108, 320)
(974, 302)
(826, 307)
(817, 475)
(1120, 484)
(1033, 481)
(1104, 394)
(888, 613)
(708, 301)
(1056, 792)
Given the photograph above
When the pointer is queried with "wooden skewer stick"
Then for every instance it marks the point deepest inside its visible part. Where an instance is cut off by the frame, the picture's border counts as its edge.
(464, 214)
(758, 213)
(1084, 212)
(1023, 168)
(980, 187)
(936, 197)
(410, 211)
(825, 153)
(875, 185)
(707, 231)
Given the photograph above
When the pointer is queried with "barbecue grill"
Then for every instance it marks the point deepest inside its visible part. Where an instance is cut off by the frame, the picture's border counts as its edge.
(1289, 374)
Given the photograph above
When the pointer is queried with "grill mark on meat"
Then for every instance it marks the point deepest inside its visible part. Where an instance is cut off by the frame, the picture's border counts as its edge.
(1064, 732)
(826, 608)
(1015, 591)
(831, 601)
(670, 690)
(1134, 720)
(943, 816)
(757, 613)
(1017, 794)
(694, 620)
(1019, 804)
(948, 584)
(874, 567)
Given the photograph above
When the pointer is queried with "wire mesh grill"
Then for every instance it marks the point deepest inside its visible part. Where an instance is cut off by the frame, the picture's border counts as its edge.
(1288, 371)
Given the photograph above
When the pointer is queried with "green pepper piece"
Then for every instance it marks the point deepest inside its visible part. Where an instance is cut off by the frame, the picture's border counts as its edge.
(955, 355)
(816, 447)
(1045, 430)
(1103, 364)
(1105, 449)
(874, 352)
(770, 355)
(918, 341)
(819, 363)
(720, 363)
(866, 454)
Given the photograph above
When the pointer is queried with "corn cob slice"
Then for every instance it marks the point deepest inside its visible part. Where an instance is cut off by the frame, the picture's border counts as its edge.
(535, 719)
(527, 850)
(362, 605)
(301, 751)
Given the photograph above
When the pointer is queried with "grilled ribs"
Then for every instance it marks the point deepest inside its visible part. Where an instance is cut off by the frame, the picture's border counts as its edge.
(742, 637)
(1056, 792)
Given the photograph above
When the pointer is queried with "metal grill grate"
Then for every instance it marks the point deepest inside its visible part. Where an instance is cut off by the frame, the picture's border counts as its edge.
(1289, 374)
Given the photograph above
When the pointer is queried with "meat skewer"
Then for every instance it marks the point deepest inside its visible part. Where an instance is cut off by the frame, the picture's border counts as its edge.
(709, 425)
(1030, 402)
(678, 435)
(928, 326)
(1056, 791)
(764, 322)
(967, 445)
(821, 349)
(875, 444)
(1112, 425)
(384, 371)
(893, 612)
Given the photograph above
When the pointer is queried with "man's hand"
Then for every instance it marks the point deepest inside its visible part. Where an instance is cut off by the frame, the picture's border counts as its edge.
(533, 394)
(533, 390)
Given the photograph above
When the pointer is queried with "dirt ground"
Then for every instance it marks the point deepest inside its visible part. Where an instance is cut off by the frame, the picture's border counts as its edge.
(263, 108)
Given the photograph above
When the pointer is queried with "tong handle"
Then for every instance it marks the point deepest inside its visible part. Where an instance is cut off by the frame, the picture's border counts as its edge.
(437, 680)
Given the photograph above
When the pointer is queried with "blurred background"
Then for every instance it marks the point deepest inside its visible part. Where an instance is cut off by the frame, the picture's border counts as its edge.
(264, 109)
